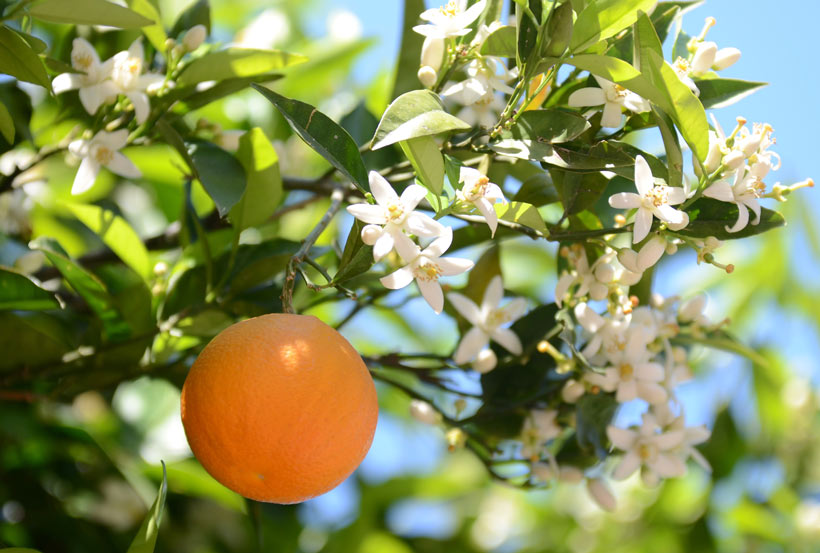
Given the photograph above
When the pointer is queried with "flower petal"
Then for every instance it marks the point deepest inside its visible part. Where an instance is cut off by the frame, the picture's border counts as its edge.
(627, 391)
(123, 166)
(397, 279)
(643, 224)
(742, 218)
(508, 339)
(625, 200)
(366, 213)
(115, 140)
(516, 308)
(141, 105)
(644, 181)
(381, 189)
(411, 196)
(86, 175)
(621, 437)
(383, 246)
(440, 244)
(493, 294)
(668, 466)
(629, 464)
(488, 211)
(407, 249)
(451, 266)
(66, 81)
(465, 307)
(471, 343)
(585, 97)
(431, 291)
(423, 225)
(720, 190)
(611, 116)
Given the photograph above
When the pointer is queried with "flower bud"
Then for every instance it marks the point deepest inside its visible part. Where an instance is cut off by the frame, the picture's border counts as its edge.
(456, 438)
(160, 268)
(734, 160)
(598, 291)
(169, 44)
(194, 37)
(424, 412)
(427, 76)
(704, 58)
(714, 156)
(371, 233)
(601, 494)
(725, 57)
(432, 53)
(604, 273)
(572, 391)
(671, 248)
(485, 361)
(651, 252)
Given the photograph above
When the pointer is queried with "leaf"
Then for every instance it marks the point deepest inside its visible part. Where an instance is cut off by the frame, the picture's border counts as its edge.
(257, 264)
(559, 31)
(357, 257)
(537, 190)
(263, 191)
(412, 115)
(192, 99)
(622, 73)
(724, 341)
(6, 124)
(593, 413)
(198, 13)
(117, 234)
(88, 12)
(234, 63)
(501, 43)
(427, 161)
(578, 191)
(17, 291)
(521, 213)
(154, 33)
(146, 538)
(602, 156)
(605, 18)
(88, 286)
(549, 126)
(709, 217)
(36, 44)
(18, 550)
(528, 18)
(674, 155)
(220, 173)
(719, 93)
(19, 60)
(410, 50)
(322, 134)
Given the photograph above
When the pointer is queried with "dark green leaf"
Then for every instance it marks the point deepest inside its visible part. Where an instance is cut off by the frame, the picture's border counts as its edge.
(709, 217)
(222, 176)
(146, 538)
(263, 191)
(36, 44)
(154, 33)
(322, 134)
(501, 43)
(233, 63)
(547, 126)
(88, 12)
(593, 413)
(6, 124)
(578, 191)
(559, 31)
(19, 60)
(17, 291)
(537, 190)
(528, 27)
(257, 264)
(412, 115)
(602, 156)
(357, 257)
(31, 339)
(719, 93)
(198, 13)
(409, 51)
(605, 18)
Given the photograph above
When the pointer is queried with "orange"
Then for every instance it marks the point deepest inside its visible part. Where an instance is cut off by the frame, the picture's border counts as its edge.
(279, 408)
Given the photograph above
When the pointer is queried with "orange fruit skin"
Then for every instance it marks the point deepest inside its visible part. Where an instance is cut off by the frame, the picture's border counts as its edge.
(279, 408)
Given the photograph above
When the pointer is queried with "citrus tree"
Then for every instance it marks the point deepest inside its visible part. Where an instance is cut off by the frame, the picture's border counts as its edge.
(162, 182)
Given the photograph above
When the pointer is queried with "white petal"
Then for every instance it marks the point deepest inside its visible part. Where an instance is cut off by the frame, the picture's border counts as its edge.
(668, 466)
(720, 190)
(397, 279)
(649, 371)
(150, 82)
(643, 176)
(372, 214)
(86, 175)
(471, 343)
(704, 58)
(669, 440)
(431, 291)
(408, 250)
(700, 459)
(66, 81)
(627, 391)
(625, 200)
(654, 394)
(561, 288)
(589, 319)
(508, 339)
(629, 259)
(411, 196)
(742, 219)
(115, 140)
(123, 166)
(754, 205)
(621, 437)
(141, 105)
(586, 97)
(516, 308)
(469, 176)
(643, 224)
(381, 189)
(79, 147)
(676, 195)
(650, 253)
(440, 244)
(725, 57)
(629, 464)
(465, 307)
(92, 97)
(383, 246)
(423, 225)
(493, 294)
(451, 266)
(611, 116)
(488, 211)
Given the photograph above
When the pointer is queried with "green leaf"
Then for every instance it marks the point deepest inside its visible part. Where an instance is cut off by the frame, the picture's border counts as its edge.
(263, 191)
(523, 214)
(718, 93)
(17, 291)
(724, 341)
(414, 114)
(233, 63)
(192, 99)
(117, 234)
(220, 173)
(537, 190)
(593, 413)
(88, 286)
(88, 12)
(578, 191)
(36, 44)
(6, 124)
(18, 550)
(357, 257)
(410, 50)
(198, 13)
(19, 60)
(146, 538)
(154, 33)
(710, 217)
(501, 43)
(427, 161)
(605, 18)
(528, 17)
(602, 156)
(322, 134)
(622, 73)
(559, 31)
(674, 155)
(33, 338)
(547, 126)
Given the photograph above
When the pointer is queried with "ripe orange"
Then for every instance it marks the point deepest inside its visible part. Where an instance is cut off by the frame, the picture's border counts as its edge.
(279, 408)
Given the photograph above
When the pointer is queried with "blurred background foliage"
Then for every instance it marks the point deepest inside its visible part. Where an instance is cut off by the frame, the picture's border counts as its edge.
(78, 474)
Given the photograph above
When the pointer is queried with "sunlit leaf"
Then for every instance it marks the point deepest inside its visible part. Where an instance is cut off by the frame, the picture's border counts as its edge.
(357, 257)
(521, 213)
(6, 124)
(88, 12)
(146, 538)
(234, 63)
(19, 60)
(17, 291)
(501, 43)
(548, 126)
(154, 33)
(426, 159)
(197, 13)
(263, 191)
(220, 173)
(412, 115)
(605, 18)
(719, 93)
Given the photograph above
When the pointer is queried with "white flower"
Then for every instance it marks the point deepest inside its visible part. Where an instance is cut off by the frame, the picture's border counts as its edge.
(489, 321)
(479, 191)
(426, 266)
(631, 375)
(592, 280)
(648, 447)
(691, 310)
(743, 192)
(101, 151)
(692, 435)
(95, 87)
(613, 97)
(539, 428)
(395, 214)
(432, 52)
(485, 361)
(484, 76)
(450, 20)
(652, 200)
(605, 334)
(130, 81)
(483, 112)
(424, 412)
(646, 257)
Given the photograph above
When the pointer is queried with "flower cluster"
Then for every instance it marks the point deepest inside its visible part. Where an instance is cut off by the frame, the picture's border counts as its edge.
(704, 56)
